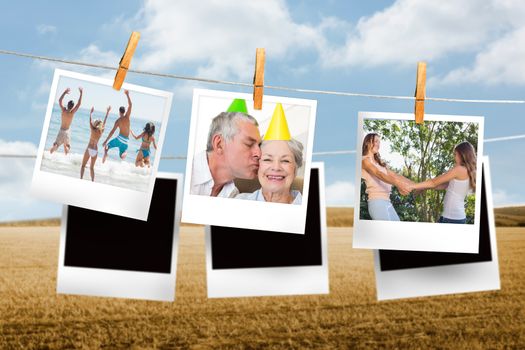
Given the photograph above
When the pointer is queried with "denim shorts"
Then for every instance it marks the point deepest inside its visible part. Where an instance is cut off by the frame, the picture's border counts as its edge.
(451, 221)
(382, 209)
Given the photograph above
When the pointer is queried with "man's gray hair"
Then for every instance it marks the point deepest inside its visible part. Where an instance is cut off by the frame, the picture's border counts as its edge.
(226, 124)
(297, 150)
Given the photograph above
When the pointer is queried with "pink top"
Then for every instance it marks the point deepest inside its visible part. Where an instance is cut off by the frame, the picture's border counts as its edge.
(376, 188)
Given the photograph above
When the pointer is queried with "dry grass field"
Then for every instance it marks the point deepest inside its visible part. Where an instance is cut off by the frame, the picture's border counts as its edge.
(32, 315)
(335, 217)
(506, 217)
(511, 216)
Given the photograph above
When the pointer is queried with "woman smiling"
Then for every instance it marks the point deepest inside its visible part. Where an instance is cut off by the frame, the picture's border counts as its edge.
(277, 169)
(281, 157)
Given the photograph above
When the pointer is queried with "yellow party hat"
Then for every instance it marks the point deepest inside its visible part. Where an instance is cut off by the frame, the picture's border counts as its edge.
(278, 128)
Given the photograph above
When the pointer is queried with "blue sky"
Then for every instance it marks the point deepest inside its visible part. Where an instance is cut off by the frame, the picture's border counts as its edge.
(472, 51)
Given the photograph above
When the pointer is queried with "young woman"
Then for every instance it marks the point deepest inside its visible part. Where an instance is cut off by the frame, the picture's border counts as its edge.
(97, 128)
(379, 180)
(458, 181)
(143, 155)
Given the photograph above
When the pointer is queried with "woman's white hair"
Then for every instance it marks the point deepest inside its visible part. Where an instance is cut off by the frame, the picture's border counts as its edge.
(297, 150)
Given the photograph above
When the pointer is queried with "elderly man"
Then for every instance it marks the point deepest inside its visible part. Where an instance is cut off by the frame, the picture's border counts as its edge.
(232, 151)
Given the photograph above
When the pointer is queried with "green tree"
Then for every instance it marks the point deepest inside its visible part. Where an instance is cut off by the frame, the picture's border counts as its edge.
(428, 151)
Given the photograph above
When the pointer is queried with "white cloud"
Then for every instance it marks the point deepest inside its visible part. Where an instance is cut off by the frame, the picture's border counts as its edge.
(502, 198)
(501, 62)
(94, 54)
(15, 176)
(90, 54)
(492, 32)
(220, 37)
(340, 193)
(15, 180)
(412, 30)
(44, 29)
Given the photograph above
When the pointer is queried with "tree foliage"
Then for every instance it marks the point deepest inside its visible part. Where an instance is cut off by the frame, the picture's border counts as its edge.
(427, 151)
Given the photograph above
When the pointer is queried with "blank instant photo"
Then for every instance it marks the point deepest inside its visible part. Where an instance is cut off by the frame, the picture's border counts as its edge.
(114, 256)
(247, 263)
(387, 218)
(226, 210)
(405, 274)
(123, 183)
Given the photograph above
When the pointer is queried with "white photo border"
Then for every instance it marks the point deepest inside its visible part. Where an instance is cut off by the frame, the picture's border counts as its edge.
(121, 283)
(230, 212)
(272, 281)
(447, 279)
(418, 236)
(94, 195)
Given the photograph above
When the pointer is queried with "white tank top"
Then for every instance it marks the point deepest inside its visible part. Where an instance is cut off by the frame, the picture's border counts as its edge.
(454, 202)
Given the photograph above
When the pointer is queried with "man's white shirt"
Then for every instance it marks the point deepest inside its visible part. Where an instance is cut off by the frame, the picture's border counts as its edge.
(202, 181)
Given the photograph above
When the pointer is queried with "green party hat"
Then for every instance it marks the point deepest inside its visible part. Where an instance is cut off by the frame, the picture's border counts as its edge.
(238, 105)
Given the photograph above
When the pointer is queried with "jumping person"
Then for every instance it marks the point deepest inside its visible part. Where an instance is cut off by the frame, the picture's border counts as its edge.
(121, 141)
(68, 113)
(143, 155)
(97, 128)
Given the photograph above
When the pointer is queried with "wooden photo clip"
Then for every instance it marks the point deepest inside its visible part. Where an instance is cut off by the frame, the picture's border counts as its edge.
(421, 78)
(258, 78)
(126, 60)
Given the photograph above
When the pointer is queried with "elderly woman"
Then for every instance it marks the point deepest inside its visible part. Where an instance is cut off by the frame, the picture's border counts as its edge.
(277, 170)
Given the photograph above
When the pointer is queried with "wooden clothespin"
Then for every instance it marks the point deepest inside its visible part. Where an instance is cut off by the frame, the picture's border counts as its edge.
(421, 78)
(126, 60)
(258, 78)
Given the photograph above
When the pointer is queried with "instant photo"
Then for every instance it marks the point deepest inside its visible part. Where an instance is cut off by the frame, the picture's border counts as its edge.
(403, 274)
(100, 148)
(419, 183)
(109, 255)
(242, 262)
(245, 165)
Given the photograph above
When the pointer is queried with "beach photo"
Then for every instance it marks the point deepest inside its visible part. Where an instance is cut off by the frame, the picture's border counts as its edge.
(419, 177)
(101, 141)
(245, 164)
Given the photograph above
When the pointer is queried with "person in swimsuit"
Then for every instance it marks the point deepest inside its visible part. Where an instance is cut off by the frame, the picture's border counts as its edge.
(97, 128)
(68, 113)
(143, 155)
(121, 141)
(458, 182)
(379, 181)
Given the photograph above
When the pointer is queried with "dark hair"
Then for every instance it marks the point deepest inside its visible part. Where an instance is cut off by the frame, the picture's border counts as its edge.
(149, 129)
(70, 105)
(467, 154)
(122, 110)
(368, 143)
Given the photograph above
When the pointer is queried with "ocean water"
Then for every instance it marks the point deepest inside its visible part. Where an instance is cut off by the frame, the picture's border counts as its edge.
(114, 171)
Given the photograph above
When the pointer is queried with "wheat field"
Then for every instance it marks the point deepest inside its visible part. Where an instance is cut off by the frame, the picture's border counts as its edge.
(32, 315)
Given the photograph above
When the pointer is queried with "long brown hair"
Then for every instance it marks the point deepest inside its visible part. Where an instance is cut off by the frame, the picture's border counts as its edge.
(368, 143)
(467, 154)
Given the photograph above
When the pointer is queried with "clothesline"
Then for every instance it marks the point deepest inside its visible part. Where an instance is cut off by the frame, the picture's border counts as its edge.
(282, 88)
(315, 154)
(214, 81)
